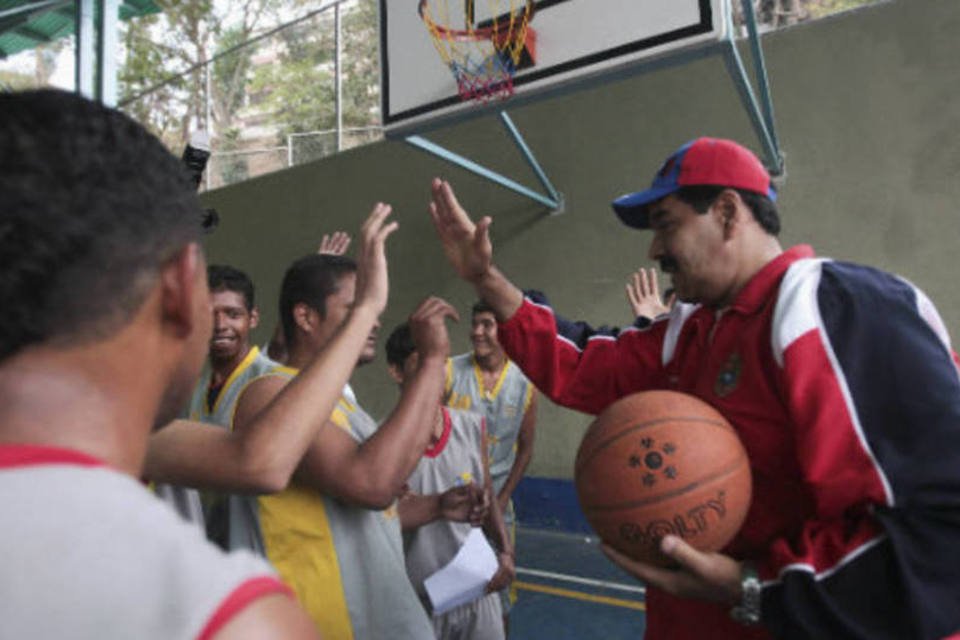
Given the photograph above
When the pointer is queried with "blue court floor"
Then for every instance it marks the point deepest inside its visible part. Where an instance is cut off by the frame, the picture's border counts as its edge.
(567, 589)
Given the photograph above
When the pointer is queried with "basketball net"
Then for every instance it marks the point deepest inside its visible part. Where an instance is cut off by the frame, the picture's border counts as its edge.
(484, 59)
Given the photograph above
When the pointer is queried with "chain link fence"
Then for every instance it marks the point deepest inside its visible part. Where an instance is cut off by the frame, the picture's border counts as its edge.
(228, 167)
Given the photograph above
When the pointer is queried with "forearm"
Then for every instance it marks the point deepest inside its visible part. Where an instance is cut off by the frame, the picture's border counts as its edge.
(273, 442)
(864, 595)
(416, 510)
(496, 290)
(520, 464)
(496, 529)
(388, 458)
(180, 453)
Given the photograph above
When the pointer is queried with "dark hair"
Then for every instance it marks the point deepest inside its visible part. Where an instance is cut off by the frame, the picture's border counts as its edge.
(481, 306)
(310, 280)
(400, 345)
(222, 277)
(763, 208)
(93, 205)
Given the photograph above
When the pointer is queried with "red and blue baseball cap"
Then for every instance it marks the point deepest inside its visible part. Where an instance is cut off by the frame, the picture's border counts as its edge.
(701, 162)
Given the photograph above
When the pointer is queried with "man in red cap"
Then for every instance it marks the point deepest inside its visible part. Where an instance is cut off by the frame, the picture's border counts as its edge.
(839, 379)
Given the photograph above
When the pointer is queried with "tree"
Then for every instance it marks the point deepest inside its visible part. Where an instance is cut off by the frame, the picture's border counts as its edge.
(167, 51)
(300, 90)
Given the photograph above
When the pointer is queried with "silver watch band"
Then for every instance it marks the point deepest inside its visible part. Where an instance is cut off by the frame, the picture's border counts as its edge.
(748, 611)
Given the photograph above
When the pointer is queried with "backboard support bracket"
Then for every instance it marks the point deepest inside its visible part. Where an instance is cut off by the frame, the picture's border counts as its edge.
(760, 111)
(552, 199)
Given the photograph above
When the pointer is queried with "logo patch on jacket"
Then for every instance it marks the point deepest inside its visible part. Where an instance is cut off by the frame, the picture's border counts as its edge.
(729, 376)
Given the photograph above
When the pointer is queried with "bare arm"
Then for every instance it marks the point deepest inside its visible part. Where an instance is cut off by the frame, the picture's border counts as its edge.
(468, 248)
(276, 616)
(524, 452)
(272, 429)
(373, 473)
(496, 529)
(457, 504)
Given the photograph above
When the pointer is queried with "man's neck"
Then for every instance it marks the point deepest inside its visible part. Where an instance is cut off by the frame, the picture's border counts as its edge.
(752, 262)
(220, 369)
(81, 401)
(492, 362)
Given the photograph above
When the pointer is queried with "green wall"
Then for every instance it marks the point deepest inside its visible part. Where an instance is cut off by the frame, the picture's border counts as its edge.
(868, 111)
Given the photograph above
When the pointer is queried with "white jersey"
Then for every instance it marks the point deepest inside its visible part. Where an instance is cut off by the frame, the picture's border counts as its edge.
(89, 553)
(455, 460)
(504, 407)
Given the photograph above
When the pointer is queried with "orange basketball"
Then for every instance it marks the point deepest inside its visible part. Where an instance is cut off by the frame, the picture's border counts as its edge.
(662, 462)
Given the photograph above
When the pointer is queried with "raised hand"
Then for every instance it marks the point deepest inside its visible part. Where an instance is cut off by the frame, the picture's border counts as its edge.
(466, 245)
(372, 280)
(429, 329)
(643, 294)
(335, 244)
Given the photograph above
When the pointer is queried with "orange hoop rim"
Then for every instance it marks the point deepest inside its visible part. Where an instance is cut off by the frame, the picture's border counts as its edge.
(483, 33)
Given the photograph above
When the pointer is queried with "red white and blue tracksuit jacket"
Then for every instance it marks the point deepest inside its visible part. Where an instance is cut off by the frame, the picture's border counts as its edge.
(843, 386)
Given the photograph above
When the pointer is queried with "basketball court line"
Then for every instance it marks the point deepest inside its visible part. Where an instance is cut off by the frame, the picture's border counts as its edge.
(579, 595)
(563, 577)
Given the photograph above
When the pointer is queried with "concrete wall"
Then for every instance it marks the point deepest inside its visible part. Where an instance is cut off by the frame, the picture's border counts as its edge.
(868, 112)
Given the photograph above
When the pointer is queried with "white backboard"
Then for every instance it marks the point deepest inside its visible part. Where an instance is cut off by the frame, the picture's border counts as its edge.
(576, 39)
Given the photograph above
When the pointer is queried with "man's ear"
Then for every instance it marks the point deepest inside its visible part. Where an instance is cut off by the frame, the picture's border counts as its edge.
(254, 318)
(305, 317)
(180, 279)
(729, 207)
(395, 373)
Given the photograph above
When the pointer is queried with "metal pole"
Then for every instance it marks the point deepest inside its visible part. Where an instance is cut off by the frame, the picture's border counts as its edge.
(529, 157)
(337, 64)
(289, 150)
(208, 99)
(760, 70)
(107, 57)
(83, 63)
(465, 163)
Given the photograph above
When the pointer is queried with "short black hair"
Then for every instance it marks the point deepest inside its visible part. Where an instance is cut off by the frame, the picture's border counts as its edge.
(481, 306)
(93, 205)
(763, 208)
(310, 280)
(223, 277)
(400, 345)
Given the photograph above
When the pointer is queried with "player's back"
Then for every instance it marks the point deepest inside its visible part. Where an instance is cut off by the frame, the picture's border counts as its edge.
(88, 552)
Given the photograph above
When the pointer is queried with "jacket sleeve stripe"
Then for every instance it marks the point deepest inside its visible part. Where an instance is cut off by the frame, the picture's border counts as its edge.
(824, 404)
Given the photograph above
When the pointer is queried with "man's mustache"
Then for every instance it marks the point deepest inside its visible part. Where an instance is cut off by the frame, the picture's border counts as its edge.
(668, 264)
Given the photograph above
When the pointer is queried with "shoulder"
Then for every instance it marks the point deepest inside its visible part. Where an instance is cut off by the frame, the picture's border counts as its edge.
(838, 297)
(127, 558)
(262, 363)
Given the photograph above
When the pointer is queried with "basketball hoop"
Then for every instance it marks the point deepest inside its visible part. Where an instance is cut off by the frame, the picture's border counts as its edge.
(484, 58)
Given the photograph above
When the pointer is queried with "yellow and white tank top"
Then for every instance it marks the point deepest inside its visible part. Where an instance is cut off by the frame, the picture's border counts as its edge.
(344, 562)
(503, 407)
(184, 500)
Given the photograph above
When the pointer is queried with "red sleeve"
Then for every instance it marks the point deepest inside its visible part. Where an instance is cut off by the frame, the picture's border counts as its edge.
(588, 379)
(245, 594)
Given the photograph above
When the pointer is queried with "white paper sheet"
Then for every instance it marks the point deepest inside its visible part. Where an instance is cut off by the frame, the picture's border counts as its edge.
(463, 579)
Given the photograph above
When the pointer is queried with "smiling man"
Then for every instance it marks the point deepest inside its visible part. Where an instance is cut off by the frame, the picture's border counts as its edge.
(485, 381)
(839, 379)
(233, 363)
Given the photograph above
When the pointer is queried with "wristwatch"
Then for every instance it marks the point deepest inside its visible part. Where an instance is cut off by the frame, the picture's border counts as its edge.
(748, 611)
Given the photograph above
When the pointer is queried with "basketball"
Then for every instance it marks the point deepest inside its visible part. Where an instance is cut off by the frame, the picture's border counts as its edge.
(662, 462)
